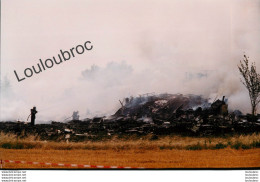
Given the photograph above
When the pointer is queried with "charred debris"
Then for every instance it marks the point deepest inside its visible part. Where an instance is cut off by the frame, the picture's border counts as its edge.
(161, 114)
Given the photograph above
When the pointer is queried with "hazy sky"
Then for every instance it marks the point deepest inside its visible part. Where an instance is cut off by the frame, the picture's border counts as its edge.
(138, 47)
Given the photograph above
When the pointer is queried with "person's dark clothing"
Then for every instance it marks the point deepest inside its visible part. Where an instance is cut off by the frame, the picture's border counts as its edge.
(33, 113)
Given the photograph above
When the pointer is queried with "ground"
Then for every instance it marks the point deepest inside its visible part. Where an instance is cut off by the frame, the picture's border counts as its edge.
(175, 158)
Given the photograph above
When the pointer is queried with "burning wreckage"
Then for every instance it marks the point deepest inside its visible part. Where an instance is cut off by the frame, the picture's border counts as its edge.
(147, 114)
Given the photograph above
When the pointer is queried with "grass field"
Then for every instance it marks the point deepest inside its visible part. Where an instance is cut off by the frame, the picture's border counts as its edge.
(147, 142)
(164, 152)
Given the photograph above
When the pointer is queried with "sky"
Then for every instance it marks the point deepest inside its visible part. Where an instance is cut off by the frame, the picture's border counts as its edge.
(139, 46)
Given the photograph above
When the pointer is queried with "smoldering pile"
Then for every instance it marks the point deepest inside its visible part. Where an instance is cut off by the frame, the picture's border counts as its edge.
(161, 107)
(177, 113)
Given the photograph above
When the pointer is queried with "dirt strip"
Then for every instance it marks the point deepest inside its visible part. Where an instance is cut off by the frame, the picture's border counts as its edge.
(222, 158)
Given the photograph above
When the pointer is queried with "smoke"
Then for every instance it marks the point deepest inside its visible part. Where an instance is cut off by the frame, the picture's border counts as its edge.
(168, 47)
(114, 74)
(9, 103)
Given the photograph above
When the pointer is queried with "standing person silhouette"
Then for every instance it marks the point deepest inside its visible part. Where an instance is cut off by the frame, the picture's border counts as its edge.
(33, 113)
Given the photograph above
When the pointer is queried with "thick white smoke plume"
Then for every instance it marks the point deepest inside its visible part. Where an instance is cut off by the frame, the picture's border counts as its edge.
(189, 47)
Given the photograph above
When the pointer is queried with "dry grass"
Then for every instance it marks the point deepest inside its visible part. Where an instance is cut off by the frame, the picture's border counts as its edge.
(223, 158)
(165, 152)
(145, 142)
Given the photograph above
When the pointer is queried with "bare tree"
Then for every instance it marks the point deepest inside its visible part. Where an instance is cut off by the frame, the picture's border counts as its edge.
(251, 80)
